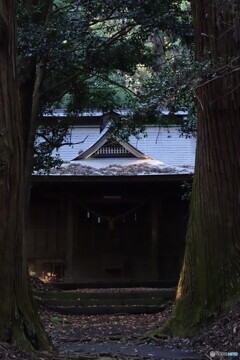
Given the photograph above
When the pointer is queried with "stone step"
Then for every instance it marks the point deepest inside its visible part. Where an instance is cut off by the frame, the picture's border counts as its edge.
(164, 294)
(109, 310)
(120, 284)
(106, 301)
(102, 302)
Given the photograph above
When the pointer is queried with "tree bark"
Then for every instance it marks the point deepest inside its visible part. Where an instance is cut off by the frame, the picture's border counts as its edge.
(210, 278)
(19, 322)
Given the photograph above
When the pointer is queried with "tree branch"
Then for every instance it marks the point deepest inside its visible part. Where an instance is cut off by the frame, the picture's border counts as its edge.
(61, 95)
(62, 7)
(105, 44)
(106, 78)
(56, 144)
(216, 78)
(66, 82)
(107, 18)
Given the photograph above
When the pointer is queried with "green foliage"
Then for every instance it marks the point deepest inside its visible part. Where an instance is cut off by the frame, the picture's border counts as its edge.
(187, 190)
(173, 88)
(56, 320)
(100, 93)
(122, 127)
(43, 162)
(79, 42)
(89, 53)
(50, 135)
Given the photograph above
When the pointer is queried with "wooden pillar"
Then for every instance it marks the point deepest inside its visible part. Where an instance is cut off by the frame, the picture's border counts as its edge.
(69, 236)
(154, 243)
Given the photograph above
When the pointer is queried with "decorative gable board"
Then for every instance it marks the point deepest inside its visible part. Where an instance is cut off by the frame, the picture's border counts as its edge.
(112, 149)
(108, 148)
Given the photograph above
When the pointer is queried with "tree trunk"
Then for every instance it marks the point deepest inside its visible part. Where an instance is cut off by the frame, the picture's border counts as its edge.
(209, 281)
(19, 322)
(32, 73)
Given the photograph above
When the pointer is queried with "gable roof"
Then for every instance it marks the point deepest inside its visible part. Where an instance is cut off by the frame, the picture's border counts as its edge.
(167, 153)
(103, 140)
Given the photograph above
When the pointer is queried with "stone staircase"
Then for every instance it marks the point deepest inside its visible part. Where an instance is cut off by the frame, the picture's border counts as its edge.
(107, 301)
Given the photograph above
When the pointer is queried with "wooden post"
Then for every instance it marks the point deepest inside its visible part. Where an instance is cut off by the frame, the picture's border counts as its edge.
(69, 236)
(154, 243)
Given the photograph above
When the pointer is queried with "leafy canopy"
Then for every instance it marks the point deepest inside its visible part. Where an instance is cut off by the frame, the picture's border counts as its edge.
(90, 54)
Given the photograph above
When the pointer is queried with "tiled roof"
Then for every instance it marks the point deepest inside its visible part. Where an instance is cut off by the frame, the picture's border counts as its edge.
(170, 153)
(62, 113)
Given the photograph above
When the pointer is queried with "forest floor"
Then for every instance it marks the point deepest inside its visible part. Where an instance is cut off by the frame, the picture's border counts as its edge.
(121, 337)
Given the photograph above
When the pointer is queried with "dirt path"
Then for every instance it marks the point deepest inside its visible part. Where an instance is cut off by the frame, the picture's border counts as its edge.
(112, 334)
(150, 351)
(119, 337)
(75, 335)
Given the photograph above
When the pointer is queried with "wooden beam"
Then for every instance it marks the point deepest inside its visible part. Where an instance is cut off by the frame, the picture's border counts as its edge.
(69, 236)
(155, 207)
(107, 179)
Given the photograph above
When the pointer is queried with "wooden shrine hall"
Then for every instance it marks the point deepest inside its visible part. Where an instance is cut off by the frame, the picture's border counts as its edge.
(113, 213)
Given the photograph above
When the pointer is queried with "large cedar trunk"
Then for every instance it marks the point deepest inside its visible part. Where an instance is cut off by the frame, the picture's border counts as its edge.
(210, 278)
(19, 323)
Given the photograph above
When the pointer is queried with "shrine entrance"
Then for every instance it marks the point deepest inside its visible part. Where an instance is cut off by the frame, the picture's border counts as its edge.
(109, 230)
(111, 240)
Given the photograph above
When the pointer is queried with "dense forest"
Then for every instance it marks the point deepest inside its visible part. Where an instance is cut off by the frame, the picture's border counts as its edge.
(143, 55)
